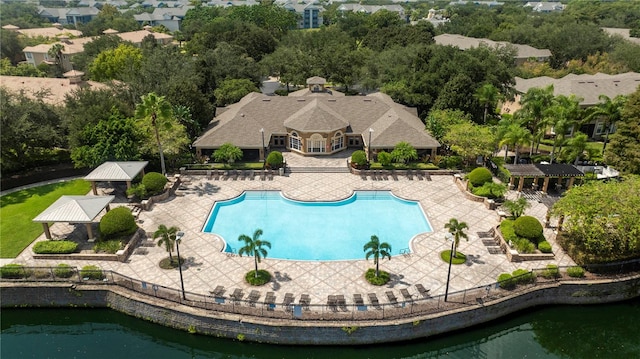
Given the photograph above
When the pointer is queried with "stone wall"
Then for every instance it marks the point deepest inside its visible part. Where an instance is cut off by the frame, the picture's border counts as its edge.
(297, 332)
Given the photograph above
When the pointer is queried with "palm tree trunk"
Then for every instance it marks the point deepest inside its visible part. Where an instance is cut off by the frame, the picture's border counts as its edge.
(155, 128)
(553, 150)
(486, 109)
(606, 139)
(506, 152)
(377, 267)
(255, 260)
(515, 159)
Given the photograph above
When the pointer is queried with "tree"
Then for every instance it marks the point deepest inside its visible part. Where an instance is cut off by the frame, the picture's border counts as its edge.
(439, 122)
(517, 207)
(577, 146)
(534, 104)
(624, 151)
(470, 140)
(253, 246)
(167, 238)
(457, 230)
(516, 136)
(114, 64)
(608, 110)
(562, 115)
(227, 153)
(233, 90)
(115, 139)
(10, 46)
(487, 95)
(403, 152)
(55, 52)
(377, 250)
(156, 109)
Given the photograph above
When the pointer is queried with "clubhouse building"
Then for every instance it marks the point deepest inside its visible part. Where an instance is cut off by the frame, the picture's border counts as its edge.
(315, 121)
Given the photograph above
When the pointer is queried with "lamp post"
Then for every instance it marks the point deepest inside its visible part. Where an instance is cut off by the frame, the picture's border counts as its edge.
(264, 154)
(179, 236)
(369, 144)
(449, 237)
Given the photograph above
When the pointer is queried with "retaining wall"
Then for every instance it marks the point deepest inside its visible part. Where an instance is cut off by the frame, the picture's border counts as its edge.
(296, 332)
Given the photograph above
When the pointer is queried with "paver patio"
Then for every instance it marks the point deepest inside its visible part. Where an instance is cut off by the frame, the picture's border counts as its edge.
(208, 267)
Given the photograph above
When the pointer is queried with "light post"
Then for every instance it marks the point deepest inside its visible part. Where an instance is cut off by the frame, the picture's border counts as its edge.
(449, 237)
(179, 236)
(369, 145)
(264, 150)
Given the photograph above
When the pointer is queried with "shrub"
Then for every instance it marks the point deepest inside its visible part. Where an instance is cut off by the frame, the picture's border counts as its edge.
(506, 227)
(450, 162)
(544, 247)
(490, 190)
(479, 176)
(382, 278)
(359, 158)
(55, 247)
(523, 276)
(154, 183)
(41, 274)
(91, 272)
(263, 277)
(110, 247)
(575, 272)
(551, 271)
(14, 271)
(524, 245)
(528, 227)
(137, 190)
(118, 222)
(275, 159)
(385, 158)
(63, 271)
(505, 280)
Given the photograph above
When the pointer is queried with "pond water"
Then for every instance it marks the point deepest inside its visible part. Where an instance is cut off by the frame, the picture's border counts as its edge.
(604, 331)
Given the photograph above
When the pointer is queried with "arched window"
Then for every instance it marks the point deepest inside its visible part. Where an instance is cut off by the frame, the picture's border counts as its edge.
(294, 141)
(337, 142)
(316, 144)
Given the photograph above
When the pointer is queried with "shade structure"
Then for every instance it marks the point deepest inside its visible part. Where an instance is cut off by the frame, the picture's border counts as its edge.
(542, 170)
(116, 172)
(73, 209)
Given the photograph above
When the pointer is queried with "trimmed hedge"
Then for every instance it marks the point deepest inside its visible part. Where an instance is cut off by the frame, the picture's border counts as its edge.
(154, 183)
(55, 247)
(118, 222)
(275, 159)
(490, 190)
(91, 272)
(480, 176)
(263, 277)
(505, 280)
(359, 158)
(575, 272)
(63, 271)
(551, 272)
(523, 276)
(14, 271)
(382, 278)
(544, 247)
(528, 227)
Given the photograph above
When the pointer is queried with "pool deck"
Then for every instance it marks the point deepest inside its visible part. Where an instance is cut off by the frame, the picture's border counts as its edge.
(208, 267)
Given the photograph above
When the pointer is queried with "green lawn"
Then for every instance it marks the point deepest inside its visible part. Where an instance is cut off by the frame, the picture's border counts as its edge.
(18, 209)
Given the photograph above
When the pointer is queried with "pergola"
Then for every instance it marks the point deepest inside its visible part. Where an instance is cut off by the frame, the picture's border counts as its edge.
(74, 209)
(116, 172)
(546, 171)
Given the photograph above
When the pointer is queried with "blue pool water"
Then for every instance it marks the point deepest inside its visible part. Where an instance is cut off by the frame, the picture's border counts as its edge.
(318, 230)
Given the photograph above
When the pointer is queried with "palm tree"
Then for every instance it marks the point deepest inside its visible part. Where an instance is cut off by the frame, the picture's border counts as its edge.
(578, 146)
(403, 152)
(253, 247)
(377, 250)
(159, 111)
(457, 230)
(534, 104)
(609, 110)
(516, 136)
(562, 115)
(487, 95)
(167, 238)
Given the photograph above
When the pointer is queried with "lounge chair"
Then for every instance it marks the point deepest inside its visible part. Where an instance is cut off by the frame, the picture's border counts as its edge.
(218, 292)
(394, 175)
(288, 300)
(208, 174)
(251, 175)
(253, 297)
(405, 293)
(332, 302)
(373, 175)
(391, 297)
(225, 175)
(270, 175)
(427, 176)
(359, 302)
(363, 175)
(243, 175)
(341, 302)
(262, 175)
(234, 175)
(237, 295)
(385, 175)
(270, 301)
(422, 290)
(419, 175)
(216, 174)
(410, 175)
(373, 298)
(305, 300)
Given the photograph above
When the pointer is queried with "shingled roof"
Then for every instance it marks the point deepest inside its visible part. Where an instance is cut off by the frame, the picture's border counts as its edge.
(544, 170)
(240, 123)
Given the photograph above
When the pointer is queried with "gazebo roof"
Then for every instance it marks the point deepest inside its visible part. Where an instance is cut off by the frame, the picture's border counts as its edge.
(544, 170)
(117, 171)
(74, 209)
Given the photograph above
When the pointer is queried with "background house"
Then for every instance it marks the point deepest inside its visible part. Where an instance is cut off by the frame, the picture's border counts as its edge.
(523, 52)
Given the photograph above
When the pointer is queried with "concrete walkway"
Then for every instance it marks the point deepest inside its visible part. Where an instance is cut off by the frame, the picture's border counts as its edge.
(208, 267)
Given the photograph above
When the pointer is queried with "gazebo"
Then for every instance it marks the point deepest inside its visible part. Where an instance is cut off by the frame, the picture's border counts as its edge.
(116, 172)
(74, 209)
(542, 170)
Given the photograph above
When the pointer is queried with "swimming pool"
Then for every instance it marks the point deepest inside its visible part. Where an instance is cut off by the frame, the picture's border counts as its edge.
(318, 230)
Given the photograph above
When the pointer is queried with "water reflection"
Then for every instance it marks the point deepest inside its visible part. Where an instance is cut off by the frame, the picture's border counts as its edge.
(608, 331)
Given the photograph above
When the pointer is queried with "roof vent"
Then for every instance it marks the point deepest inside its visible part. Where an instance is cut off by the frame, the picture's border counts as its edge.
(301, 100)
(332, 100)
(367, 100)
(266, 99)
